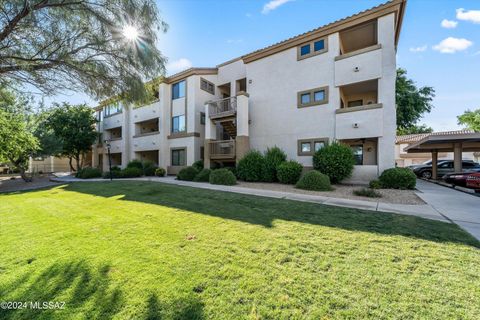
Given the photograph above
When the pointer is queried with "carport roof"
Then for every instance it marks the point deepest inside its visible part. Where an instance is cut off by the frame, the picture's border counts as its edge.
(446, 142)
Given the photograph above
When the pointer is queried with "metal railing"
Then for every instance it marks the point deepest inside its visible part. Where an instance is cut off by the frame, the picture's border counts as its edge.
(222, 149)
(227, 106)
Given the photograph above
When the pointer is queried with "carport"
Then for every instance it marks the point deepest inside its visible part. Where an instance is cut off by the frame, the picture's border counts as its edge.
(454, 142)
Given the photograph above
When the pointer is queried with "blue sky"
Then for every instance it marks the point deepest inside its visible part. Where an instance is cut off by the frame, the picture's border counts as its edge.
(439, 43)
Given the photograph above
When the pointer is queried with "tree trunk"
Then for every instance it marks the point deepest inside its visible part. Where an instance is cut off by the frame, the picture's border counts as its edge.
(24, 176)
(77, 159)
(70, 163)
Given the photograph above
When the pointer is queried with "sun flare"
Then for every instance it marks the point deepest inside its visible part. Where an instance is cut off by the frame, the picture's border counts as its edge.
(130, 32)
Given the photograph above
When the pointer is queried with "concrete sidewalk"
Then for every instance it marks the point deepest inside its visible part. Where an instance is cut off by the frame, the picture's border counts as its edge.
(459, 207)
(424, 211)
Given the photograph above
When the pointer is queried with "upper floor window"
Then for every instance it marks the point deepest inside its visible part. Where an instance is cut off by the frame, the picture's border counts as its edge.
(178, 90)
(178, 124)
(312, 48)
(206, 85)
(112, 109)
(312, 97)
(202, 117)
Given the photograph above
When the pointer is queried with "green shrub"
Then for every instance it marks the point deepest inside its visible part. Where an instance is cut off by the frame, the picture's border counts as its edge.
(116, 173)
(132, 172)
(250, 166)
(289, 172)
(223, 177)
(198, 165)
(232, 170)
(149, 168)
(160, 172)
(375, 184)
(88, 173)
(135, 164)
(336, 160)
(273, 158)
(187, 174)
(314, 180)
(203, 176)
(116, 168)
(367, 192)
(398, 178)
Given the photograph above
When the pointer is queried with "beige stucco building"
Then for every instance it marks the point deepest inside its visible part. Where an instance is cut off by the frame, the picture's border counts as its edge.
(336, 82)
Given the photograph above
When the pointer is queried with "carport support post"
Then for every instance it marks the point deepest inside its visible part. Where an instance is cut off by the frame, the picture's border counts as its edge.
(457, 157)
(434, 164)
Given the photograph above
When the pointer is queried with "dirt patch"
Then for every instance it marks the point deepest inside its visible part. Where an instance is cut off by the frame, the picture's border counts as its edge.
(7, 184)
(342, 191)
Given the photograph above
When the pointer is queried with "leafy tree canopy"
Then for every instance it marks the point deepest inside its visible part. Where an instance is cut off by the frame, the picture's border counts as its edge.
(80, 45)
(471, 119)
(412, 103)
(414, 130)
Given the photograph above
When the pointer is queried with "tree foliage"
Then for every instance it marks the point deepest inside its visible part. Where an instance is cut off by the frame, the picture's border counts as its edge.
(80, 45)
(415, 129)
(412, 103)
(74, 128)
(471, 119)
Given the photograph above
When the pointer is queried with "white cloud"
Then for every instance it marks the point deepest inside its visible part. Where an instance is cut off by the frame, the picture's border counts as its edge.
(248, 15)
(419, 49)
(452, 45)
(178, 65)
(234, 41)
(449, 24)
(272, 5)
(468, 15)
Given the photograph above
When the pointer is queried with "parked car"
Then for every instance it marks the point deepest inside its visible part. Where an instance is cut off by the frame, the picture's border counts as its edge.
(443, 167)
(473, 182)
(459, 178)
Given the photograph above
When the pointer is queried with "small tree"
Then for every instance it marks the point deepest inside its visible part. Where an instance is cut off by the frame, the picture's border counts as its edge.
(74, 127)
(336, 160)
(471, 119)
(273, 158)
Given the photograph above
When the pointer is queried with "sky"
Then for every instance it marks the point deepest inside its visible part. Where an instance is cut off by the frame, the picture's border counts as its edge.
(439, 43)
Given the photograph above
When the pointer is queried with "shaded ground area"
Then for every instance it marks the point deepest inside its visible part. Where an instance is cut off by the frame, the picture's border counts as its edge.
(7, 184)
(154, 251)
(342, 191)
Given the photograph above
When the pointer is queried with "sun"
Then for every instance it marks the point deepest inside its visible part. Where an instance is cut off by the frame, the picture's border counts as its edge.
(130, 32)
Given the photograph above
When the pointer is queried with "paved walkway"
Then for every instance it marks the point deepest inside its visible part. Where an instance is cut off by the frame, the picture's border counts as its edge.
(459, 207)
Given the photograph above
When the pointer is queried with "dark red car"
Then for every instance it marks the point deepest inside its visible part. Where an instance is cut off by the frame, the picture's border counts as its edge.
(473, 181)
(459, 178)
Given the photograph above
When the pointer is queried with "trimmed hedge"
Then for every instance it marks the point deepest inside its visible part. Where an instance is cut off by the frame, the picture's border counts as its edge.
(187, 174)
(289, 172)
(135, 164)
(273, 158)
(198, 165)
(336, 160)
(203, 176)
(88, 173)
(250, 166)
(375, 184)
(314, 180)
(223, 177)
(160, 172)
(132, 172)
(116, 173)
(149, 168)
(398, 178)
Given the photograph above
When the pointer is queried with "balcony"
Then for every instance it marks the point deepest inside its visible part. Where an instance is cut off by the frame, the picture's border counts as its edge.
(358, 66)
(359, 122)
(223, 108)
(222, 150)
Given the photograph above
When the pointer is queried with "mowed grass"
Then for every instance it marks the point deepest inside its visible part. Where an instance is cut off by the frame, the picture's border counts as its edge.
(140, 250)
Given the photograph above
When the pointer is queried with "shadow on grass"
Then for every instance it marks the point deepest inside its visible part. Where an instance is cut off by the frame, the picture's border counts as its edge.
(87, 294)
(263, 211)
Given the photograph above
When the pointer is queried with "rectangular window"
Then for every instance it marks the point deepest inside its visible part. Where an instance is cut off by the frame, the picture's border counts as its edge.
(112, 109)
(178, 157)
(304, 50)
(178, 90)
(312, 97)
(318, 145)
(202, 117)
(206, 85)
(319, 45)
(358, 154)
(307, 147)
(178, 124)
(355, 103)
(312, 48)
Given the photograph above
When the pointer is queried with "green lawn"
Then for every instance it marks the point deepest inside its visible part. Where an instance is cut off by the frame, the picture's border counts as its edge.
(139, 250)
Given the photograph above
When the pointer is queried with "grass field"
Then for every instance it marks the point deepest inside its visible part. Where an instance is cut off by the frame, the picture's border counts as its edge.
(140, 250)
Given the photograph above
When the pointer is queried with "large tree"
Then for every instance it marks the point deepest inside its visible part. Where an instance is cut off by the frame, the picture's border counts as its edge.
(412, 104)
(84, 45)
(17, 143)
(471, 119)
(74, 128)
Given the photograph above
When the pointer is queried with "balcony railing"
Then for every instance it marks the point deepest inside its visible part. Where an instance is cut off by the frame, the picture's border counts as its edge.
(222, 149)
(222, 108)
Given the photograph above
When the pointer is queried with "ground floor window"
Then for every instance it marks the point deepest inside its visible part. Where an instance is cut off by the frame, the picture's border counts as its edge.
(358, 154)
(364, 150)
(179, 157)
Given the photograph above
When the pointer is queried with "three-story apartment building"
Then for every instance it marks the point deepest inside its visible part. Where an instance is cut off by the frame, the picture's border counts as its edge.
(336, 82)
